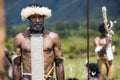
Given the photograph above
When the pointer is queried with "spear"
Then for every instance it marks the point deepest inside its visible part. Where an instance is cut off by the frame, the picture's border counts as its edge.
(88, 36)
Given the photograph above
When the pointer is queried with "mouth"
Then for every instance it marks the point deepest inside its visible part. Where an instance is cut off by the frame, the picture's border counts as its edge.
(37, 26)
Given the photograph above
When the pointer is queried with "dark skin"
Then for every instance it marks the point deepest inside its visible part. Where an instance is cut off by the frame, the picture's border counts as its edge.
(51, 46)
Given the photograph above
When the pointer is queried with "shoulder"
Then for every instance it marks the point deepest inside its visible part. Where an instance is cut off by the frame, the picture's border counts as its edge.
(97, 38)
(55, 38)
(19, 36)
(17, 39)
(53, 35)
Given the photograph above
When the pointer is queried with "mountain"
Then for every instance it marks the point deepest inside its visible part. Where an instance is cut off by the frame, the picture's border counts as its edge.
(62, 10)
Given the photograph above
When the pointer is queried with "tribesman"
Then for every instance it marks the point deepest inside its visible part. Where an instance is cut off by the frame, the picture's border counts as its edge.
(35, 14)
(104, 49)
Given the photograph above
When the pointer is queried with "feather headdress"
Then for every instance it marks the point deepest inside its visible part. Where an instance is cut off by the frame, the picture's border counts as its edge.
(31, 10)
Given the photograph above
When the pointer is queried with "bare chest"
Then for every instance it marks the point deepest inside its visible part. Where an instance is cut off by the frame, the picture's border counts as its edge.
(47, 44)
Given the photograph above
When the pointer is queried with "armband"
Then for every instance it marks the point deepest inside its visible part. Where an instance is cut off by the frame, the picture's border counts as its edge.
(61, 57)
(15, 56)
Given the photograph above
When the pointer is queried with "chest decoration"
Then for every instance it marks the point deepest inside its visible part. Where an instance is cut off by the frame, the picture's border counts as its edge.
(37, 57)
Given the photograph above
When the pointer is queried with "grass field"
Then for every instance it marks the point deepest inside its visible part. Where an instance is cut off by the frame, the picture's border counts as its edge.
(78, 67)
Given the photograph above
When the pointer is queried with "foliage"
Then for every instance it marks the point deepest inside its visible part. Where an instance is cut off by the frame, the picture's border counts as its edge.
(73, 36)
(80, 71)
(74, 45)
(11, 32)
(9, 44)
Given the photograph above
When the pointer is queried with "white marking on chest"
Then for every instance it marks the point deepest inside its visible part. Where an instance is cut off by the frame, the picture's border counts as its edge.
(37, 57)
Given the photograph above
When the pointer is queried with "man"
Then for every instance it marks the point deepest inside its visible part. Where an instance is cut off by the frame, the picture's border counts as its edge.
(104, 50)
(35, 14)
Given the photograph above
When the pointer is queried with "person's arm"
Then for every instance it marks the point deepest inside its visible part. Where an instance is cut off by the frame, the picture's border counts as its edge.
(58, 59)
(101, 50)
(17, 59)
(98, 48)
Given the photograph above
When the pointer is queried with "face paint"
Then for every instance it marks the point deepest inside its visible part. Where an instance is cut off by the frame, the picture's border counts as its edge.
(36, 26)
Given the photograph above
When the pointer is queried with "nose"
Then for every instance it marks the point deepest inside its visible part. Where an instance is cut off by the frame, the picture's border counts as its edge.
(39, 19)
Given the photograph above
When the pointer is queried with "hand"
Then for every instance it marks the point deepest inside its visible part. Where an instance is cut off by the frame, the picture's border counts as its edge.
(108, 40)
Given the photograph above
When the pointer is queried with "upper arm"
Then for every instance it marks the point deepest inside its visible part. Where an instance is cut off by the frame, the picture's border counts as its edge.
(97, 45)
(58, 57)
(17, 42)
(57, 45)
(96, 41)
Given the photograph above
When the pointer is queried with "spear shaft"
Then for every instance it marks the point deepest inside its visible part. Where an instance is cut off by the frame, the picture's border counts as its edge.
(88, 36)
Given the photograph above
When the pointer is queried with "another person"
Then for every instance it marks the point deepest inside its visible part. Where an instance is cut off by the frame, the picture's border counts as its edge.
(35, 14)
(103, 44)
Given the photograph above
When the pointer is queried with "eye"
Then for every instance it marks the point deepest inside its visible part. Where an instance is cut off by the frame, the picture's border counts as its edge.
(33, 16)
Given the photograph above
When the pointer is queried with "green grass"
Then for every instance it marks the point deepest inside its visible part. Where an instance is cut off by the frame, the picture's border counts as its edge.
(78, 67)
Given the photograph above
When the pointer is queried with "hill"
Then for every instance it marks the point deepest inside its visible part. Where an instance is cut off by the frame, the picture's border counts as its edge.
(62, 10)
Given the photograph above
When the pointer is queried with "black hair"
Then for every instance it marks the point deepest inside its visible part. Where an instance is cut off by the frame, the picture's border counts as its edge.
(101, 28)
(36, 5)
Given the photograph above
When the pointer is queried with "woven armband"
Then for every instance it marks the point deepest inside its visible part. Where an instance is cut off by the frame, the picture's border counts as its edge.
(60, 57)
(15, 56)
